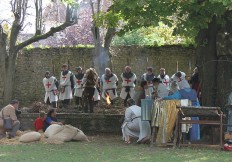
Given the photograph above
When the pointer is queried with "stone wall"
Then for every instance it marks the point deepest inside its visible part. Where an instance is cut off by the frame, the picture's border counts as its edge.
(92, 123)
(32, 64)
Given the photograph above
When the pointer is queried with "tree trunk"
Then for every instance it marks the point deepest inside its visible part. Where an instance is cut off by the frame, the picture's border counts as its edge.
(207, 62)
(9, 77)
(3, 54)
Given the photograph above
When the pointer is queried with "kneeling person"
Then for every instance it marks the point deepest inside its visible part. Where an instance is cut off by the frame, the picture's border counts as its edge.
(9, 111)
(133, 126)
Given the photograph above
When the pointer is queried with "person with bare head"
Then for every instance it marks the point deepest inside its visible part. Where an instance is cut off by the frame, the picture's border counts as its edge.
(89, 83)
(128, 84)
(9, 112)
(148, 77)
(50, 85)
(164, 78)
(109, 83)
(78, 89)
(66, 84)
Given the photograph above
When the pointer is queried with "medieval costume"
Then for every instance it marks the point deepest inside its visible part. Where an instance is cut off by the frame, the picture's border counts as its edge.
(89, 83)
(148, 77)
(133, 126)
(78, 89)
(179, 78)
(96, 96)
(66, 84)
(164, 78)
(128, 85)
(191, 95)
(195, 83)
(109, 82)
(9, 111)
(160, 89)
(50, 119)
(50, 84)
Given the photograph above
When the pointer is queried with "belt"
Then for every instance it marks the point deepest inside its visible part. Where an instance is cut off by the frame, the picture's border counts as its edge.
(135, 118)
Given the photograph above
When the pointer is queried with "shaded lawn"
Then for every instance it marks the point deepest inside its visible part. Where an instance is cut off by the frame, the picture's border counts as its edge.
(104, 149)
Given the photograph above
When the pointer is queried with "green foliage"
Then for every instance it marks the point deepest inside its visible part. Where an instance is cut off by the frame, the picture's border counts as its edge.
(152, 36)
(188, 17)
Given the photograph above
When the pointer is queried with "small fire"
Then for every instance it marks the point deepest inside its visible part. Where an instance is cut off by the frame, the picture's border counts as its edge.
(108, 99)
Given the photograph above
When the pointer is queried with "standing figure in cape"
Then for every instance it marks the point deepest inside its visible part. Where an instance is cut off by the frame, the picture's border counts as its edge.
(185, 92)
(109, 83)
(51, 93)
(89, 83)
(66, 86)
(148, 77)
(128, 84)
(164, 78)
(78, 89)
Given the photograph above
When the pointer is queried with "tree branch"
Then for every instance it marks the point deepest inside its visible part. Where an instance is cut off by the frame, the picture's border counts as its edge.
(44, 36)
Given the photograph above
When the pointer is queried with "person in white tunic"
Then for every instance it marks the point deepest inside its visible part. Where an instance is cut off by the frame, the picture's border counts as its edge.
(133, 126)
(179, 77)
(66, 85)
(109, 83)
(148, 77)
(51, 93)
(160, 89)
(128, 84)
(78, 89)
(164, 78)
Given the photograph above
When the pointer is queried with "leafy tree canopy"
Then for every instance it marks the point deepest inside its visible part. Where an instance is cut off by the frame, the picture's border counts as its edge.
(187, 16)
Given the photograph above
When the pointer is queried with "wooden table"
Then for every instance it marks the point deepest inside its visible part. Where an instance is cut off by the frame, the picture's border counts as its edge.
(191, 111)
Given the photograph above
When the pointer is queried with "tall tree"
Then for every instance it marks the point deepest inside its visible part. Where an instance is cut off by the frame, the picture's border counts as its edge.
(9, 47)
(208, 21)
(102, 46)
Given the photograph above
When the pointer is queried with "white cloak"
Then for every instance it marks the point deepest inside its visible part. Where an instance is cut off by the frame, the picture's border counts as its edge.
(108, 86)
(133, 126)
(66, 83)
(50, 89)
(78, 89)
(130, 83)
(165, 80)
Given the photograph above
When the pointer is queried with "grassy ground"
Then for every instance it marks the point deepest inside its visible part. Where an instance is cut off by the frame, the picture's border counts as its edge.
(104, 149)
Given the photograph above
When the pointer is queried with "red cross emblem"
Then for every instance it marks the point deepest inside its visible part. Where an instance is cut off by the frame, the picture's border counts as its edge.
(107, 81)
(165, 82)
(78, 82)
(127, 81)
(64, 77)
(48, 84)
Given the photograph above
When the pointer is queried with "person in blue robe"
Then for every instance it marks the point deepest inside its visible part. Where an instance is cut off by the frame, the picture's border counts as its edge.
(191, 95)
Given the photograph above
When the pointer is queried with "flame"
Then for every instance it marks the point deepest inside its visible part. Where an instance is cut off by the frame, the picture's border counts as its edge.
(108, 99)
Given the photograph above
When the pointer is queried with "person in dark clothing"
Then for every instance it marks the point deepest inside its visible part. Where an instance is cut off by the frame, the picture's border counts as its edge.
(195, 83)
(51, 119)
(89, 82)
(140, 93)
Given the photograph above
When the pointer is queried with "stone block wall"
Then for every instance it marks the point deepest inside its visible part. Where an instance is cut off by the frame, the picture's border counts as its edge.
(32, 64)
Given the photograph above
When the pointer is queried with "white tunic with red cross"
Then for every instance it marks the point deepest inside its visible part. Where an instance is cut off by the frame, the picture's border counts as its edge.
(78, 88)
(182, 82)
(128, 82)
(50, 89)
(66, 84)
(164, 80)
(109, 86)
